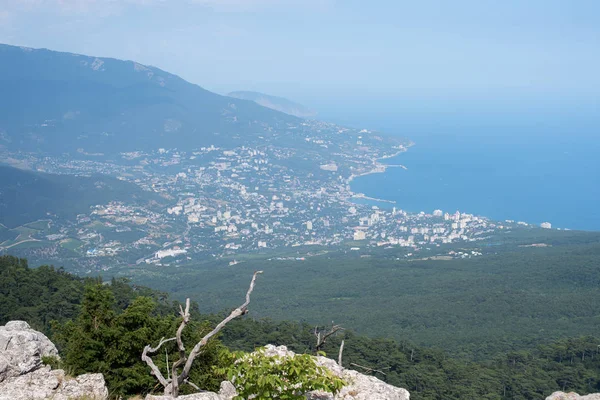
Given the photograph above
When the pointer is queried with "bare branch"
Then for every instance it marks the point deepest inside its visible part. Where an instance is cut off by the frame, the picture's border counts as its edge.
(318, 335)
(172, 385)
(145, 357)
(340, 354)
(322, 336)
(241, 310)
(167, 358)
(333, 330)
(192, 385)
(162, 341)
(368, 369)
(182, 356)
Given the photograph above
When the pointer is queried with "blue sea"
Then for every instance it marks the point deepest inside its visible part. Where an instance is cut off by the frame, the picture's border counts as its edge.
(542, 168)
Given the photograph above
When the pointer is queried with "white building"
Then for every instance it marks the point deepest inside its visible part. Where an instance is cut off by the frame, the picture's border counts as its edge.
(359, 235)
(175, 210)
(169, 253)
(329, 167)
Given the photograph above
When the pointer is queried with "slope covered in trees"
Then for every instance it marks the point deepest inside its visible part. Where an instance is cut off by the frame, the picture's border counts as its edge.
(28, 196)
(45, 294)
(512, 297)
(60, 102)
(104, 327)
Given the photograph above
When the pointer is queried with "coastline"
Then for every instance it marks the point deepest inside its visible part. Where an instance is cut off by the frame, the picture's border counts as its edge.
(378, 168)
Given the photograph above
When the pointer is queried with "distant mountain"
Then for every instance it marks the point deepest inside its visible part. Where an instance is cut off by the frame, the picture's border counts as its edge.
(275, 103)
(28, 196)
(62, 102)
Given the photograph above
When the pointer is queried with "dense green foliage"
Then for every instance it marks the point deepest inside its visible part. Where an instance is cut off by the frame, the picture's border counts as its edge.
(37, 296)
(111, 323)
(45, 294)
(258, 376)
(511, 298)
(102, 340)
(27, 196)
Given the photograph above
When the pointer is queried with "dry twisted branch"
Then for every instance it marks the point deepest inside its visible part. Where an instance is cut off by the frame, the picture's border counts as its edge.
(369, 369)
(241, 310)
(185, 315)
(172, 385)
(322, 336)
(145, 357)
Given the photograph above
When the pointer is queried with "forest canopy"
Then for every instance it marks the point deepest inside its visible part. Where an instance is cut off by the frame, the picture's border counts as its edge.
(103, 327)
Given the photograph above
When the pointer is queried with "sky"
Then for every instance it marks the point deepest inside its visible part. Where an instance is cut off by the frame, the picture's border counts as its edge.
(327, 52)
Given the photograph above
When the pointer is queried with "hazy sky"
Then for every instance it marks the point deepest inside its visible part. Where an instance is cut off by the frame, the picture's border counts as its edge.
(323, 50)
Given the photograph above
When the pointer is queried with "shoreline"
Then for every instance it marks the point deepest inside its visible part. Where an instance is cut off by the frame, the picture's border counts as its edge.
(378, 168)
(364, 197)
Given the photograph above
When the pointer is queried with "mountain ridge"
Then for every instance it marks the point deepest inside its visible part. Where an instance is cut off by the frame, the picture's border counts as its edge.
(57, 101)
(275, 103)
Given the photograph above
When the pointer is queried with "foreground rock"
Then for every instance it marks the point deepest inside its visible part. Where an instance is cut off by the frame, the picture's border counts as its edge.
(23, 377)
(44, 383)
(360, 387)
(227, 392)
(22, 349)
(195, 396)
(572, 396)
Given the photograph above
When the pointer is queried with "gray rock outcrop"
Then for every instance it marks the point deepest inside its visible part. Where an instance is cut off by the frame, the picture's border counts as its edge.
(227, 392)
(572, 396)
(23, 377)
(195, 396)
(44, 383)
(22, 349)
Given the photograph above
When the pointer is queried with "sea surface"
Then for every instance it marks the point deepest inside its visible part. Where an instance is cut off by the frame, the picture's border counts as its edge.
(541, 169)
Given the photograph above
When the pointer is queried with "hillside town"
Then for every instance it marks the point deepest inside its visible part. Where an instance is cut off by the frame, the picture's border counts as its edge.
(220, 202)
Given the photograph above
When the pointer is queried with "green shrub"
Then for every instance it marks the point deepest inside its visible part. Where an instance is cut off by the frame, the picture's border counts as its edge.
(264, 377)
(53, 362)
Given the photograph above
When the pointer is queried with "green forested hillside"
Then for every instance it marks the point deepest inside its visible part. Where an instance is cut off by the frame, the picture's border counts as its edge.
(45, 294)
(103, 328)
(510, 298)
(28, 196)
(60, 102)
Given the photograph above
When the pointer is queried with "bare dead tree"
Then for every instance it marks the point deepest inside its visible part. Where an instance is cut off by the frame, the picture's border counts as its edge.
(171, 385)
(323, 335)
(340, 354)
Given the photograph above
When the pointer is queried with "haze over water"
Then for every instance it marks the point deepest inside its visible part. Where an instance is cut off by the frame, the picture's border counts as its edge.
(526, 166)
